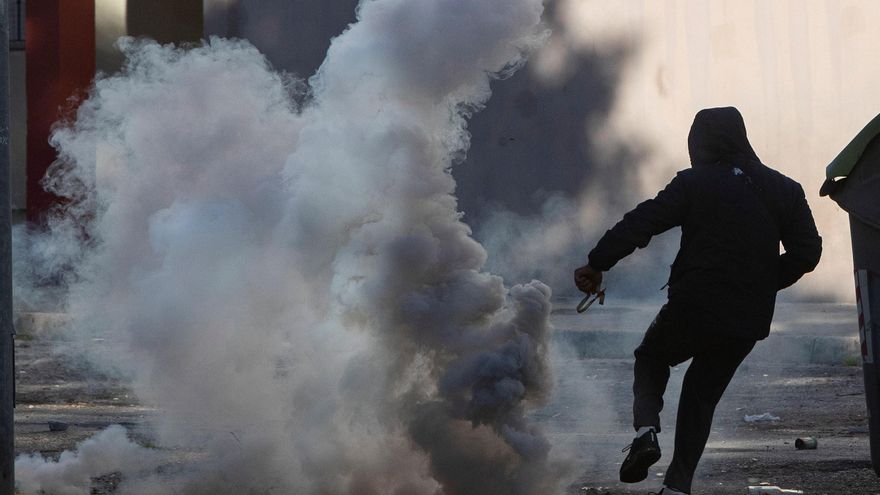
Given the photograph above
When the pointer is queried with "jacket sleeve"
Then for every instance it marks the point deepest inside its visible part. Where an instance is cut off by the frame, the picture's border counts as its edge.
(801, 241)
(652, 217)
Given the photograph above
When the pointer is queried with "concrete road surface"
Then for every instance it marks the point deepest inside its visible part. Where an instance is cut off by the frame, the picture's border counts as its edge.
(807, 374)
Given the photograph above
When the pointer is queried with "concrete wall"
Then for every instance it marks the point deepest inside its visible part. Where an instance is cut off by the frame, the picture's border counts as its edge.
(166, 21)
(294, 35)
(110, 25)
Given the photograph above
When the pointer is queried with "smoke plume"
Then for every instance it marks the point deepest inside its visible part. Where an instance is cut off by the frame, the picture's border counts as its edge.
(110, 451)
(287, 272)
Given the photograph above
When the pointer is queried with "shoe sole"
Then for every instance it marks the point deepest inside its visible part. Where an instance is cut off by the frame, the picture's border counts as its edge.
(639, 469)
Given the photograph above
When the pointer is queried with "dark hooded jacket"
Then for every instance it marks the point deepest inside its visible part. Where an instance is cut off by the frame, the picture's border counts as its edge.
(733, 212)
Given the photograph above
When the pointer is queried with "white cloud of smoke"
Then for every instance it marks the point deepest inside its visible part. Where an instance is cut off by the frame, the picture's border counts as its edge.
(110, 451)
(294, 287)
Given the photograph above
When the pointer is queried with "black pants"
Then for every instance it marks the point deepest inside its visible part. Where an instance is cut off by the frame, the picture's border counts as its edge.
(672, 339)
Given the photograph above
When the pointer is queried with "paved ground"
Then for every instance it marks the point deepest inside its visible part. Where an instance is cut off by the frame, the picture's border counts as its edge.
(801, 332)
(589, 422)
(814, 392)
(55, 387)
(589, 416)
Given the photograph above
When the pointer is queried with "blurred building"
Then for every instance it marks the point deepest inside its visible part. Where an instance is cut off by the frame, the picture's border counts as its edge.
(594, 123)
(57, 47)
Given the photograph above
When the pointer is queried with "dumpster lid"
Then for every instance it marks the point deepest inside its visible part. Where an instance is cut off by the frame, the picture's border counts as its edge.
(854, 176)
(846, 160)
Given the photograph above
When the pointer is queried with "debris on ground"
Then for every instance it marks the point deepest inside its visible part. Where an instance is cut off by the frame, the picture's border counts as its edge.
(57, 426)
(760, 418)
(772, 490)
(806, 443)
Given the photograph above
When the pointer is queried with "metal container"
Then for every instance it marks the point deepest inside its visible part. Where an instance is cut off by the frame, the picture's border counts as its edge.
(806, 443)
(866, 247)
(853, 181)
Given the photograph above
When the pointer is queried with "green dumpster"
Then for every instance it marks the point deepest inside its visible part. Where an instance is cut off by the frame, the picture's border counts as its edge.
(853, 181)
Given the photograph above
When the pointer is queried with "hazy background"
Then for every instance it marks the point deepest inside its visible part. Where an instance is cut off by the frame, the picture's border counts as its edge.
(598, 119)
(254, 239)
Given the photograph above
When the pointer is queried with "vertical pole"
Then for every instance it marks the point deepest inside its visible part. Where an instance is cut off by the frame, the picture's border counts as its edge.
(7, 462)
(18, 27)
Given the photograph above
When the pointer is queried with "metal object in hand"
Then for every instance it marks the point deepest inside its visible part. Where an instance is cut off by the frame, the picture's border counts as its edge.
(588, 301)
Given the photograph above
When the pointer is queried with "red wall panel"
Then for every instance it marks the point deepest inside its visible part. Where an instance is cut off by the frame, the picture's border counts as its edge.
(60, 62)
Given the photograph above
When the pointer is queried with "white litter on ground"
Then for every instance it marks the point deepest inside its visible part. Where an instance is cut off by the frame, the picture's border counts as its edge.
(760, 418)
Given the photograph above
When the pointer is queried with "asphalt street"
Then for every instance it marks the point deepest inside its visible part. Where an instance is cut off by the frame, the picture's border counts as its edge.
(807, 374)
(793, 375)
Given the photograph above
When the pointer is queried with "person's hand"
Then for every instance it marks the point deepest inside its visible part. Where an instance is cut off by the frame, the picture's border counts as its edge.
(587, 279)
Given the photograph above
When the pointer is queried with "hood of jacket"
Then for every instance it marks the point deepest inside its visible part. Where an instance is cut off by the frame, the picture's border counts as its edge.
(719, 135)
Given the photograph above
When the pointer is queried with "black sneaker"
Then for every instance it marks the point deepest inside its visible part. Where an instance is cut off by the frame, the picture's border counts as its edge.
(644, 451)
